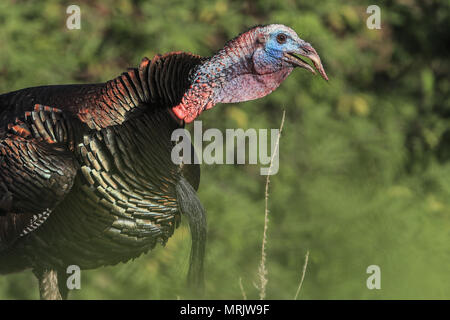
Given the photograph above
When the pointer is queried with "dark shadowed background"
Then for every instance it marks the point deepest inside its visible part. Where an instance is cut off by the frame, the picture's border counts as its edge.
(364, 175)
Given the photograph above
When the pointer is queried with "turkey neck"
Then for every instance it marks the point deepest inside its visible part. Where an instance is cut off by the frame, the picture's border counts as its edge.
(241, 71)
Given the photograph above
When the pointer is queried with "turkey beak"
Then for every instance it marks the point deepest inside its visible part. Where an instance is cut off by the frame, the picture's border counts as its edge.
(306, 50)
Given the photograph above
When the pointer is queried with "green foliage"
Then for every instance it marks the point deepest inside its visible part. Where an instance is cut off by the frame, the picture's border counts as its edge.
(364, 174)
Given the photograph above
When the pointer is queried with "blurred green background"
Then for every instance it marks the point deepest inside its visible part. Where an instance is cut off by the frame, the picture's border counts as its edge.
(364, 175)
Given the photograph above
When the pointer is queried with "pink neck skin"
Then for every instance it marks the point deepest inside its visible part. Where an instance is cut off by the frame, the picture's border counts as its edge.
(237, 73)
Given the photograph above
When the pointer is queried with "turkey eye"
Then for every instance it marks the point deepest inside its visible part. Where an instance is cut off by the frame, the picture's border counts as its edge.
(281, 38)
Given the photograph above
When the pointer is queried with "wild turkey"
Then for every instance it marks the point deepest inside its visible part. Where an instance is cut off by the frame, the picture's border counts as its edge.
(86, 176)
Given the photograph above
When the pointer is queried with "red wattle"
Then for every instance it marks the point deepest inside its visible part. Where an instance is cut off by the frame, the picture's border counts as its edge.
(179, 111)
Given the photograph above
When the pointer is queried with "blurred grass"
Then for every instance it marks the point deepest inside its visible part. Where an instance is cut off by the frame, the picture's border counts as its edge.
(364, 171)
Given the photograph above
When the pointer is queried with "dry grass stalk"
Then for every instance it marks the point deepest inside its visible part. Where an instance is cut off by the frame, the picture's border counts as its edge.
(244, 295)
(262, 270)
(303, 275)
